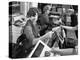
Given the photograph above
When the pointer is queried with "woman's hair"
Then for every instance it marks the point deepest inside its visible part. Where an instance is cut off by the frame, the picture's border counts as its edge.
(32, 12)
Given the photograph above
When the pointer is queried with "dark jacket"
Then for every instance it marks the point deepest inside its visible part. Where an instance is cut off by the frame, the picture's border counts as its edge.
(30, 31)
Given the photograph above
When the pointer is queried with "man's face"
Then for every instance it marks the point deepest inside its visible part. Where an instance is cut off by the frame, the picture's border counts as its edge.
(34, 18)
(57, 21)
(70, 12)
(48, 11)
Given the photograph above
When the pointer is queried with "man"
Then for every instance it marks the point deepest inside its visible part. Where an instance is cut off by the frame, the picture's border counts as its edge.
(44, 19)
(70, 44)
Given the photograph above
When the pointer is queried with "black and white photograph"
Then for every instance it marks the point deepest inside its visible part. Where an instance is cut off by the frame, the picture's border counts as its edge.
(42, 29)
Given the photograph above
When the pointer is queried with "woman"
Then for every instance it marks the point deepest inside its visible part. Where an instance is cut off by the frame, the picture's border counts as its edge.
(30, 34)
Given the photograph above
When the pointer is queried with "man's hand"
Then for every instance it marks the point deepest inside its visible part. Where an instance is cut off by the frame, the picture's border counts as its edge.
(49, 34)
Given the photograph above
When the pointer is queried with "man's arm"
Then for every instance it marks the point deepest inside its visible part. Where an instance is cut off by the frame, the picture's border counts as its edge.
(70, 28)
(69, 51)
